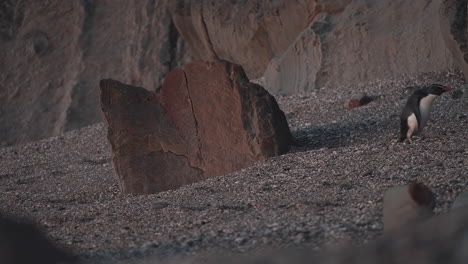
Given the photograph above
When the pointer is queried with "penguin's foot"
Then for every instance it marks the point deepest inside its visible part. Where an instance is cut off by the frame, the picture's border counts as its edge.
(418, 138)
(413, 139)
(429, 134)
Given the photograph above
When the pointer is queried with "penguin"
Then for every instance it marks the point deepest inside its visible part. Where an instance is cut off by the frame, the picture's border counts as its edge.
(417, 109)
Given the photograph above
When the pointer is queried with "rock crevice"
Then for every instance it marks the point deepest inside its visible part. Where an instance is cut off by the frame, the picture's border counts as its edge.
(190, 101)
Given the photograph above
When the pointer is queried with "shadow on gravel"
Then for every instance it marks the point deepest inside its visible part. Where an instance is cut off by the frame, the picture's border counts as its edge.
(343, 134)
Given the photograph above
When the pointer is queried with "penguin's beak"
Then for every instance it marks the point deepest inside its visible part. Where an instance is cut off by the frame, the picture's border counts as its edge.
(447, 89)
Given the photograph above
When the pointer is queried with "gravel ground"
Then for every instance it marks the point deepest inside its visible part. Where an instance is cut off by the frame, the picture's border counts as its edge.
(328, 189)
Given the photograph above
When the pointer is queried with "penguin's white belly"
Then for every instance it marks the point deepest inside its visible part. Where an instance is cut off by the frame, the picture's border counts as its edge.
(412, 125)
(425, 106)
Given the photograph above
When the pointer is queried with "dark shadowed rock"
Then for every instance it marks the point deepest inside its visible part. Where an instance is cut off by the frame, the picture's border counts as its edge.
(207, 120)
(23, 243)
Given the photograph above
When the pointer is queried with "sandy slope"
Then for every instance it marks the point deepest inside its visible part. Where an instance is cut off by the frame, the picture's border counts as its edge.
(326, 190)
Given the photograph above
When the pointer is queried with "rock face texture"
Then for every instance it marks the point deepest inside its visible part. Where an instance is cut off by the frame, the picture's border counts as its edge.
(303, 45)
(146, 149)
(207, 120)
(454, 16)
(53, 53)
(249, 33)
(370, 41)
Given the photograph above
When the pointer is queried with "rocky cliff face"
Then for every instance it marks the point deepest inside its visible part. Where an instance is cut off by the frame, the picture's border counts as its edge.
(369, 41)
(304, 45)
(53, 54)
(248, 33)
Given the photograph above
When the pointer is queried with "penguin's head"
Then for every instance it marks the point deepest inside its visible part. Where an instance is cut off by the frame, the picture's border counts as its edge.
(437, 89)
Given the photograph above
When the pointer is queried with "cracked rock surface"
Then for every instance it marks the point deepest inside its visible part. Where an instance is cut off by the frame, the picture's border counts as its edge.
(208, 120)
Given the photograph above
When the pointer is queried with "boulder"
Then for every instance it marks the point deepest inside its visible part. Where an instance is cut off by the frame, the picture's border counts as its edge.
(206, 120)
(145, 144)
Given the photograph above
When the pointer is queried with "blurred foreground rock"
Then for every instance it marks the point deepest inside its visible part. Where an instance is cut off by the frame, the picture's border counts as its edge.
(439, 240)
(207, 120)
(407, 204)
(22, 243)
(462, 200)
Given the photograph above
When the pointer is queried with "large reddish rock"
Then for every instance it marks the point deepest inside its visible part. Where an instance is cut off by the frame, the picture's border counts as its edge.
(207, 120)
(144, 141)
